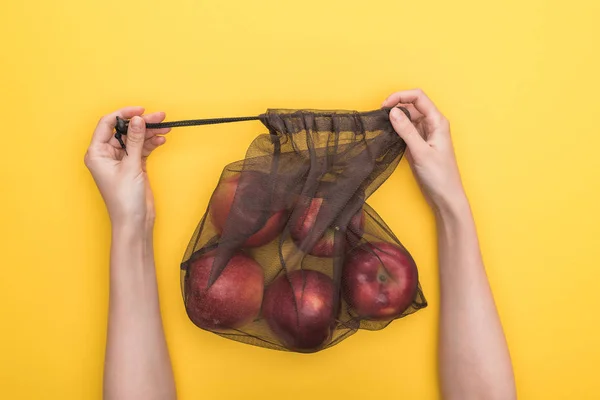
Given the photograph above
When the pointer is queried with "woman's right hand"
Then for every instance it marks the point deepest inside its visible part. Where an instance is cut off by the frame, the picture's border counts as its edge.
(429, 149)
(121, 177)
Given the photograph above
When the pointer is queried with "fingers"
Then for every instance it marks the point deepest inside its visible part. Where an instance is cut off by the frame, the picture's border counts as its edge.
(415, 115)
(151, 144)
(419, 99)
(105, 128)
(154, 118)
(407, 131)
(139, 142)
(148, 118)
(136, 137)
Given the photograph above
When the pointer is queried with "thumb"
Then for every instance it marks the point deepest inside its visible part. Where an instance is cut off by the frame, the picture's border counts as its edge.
(136, 135)
(407, 131)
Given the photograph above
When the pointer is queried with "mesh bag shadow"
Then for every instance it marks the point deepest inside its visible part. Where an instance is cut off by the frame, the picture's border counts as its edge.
(288, 254)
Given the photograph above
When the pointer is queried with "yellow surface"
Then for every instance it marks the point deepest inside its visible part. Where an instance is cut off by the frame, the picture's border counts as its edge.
(518, 80)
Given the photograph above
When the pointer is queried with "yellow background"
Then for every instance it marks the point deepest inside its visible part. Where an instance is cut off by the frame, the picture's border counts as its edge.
(518, 80)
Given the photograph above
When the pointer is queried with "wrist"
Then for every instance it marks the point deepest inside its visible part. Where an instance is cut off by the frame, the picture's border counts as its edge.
(132, 227)
(133, 240)
(452, 208)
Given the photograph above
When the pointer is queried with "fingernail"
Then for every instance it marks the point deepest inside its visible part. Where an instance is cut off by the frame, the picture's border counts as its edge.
(396, 114)
(136, 123)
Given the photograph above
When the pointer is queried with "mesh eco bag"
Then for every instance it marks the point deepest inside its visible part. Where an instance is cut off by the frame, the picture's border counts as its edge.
(288, 254)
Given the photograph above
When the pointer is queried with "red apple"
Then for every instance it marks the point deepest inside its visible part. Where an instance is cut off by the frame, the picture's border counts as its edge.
(299, 309)
(301, 228)
(379, 280)
(249, 218)
(232, 301)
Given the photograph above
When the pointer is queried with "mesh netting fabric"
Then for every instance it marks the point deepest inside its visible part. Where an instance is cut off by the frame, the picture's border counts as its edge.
(288, 254)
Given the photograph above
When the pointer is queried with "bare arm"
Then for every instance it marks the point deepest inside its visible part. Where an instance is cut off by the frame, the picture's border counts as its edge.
(137, 364)
(474, 358)
(473, 354)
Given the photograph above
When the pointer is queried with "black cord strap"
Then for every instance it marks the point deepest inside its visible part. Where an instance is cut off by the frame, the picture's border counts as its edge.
(123, 125)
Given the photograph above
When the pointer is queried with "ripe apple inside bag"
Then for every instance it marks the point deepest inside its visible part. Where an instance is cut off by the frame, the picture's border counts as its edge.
(299, 309)
(302, 226)
(379, 280)
(242, 208)
(232, 301)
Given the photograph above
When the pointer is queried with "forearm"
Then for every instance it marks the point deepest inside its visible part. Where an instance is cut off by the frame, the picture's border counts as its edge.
(137, 364)
(474, 357)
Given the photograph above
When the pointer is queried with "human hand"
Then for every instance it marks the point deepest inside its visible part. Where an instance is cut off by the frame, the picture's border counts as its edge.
(120, 177)
(429, 148)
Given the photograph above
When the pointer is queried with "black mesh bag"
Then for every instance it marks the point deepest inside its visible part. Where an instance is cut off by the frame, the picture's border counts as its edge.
(288, 254)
